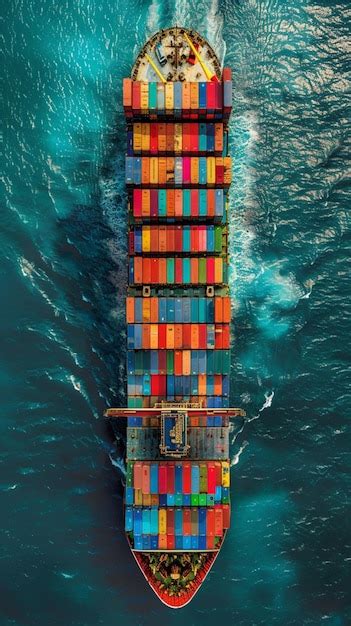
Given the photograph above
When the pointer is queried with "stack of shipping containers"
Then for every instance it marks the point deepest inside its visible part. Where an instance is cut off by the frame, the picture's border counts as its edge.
(178, 308)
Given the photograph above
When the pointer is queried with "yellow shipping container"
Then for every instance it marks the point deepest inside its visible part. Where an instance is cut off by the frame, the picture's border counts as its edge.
(145, 137)
(137, 137)
(162, 521)
(178, 137)
(218, 270)
(153, 170)
(225, 474)
(169, 97)
(194, 96)
(146, 308)
(146, 239)
(211, 170)
(138, 497)
(194, 170)
(186, 363)
(144, 96)
(227, 161)
(153, 337)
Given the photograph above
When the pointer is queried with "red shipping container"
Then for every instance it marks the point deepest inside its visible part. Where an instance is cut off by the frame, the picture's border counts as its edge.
(178, 239)
(218, 521)
(162, 478)
(137, 202)
(227, 73)
(162, 336)
(219, 171)
(210, 523)
(186, 170)
(218, 96)
(136, 95)
(186, 477)
(194, 203)
(170, 521)
(202, 238)
(131, 242)
(218, 337)
(153, 138)
(178, 335)
(210, 542)
(153, 202)
(186, 522)
(178, 270)
(170, 542)
(154, 271)
(218, 469)
(211, 479)
(226, 336)
(211, 99)
(194, 137)
(186, 336)
(226, 515)
(194, 238)
(138, 475)
(170, 238)
(170, 477)
(170, 203)
(178, 363)
(138, 270)
(162, 360)
(170, 137)
(210, 270)
(146, 270)
(202, 338)
(153, 238)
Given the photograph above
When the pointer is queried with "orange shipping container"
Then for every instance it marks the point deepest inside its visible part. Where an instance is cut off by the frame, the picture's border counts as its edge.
(218, 270)
(154, 310)
(153, 336)
(170, 336)
(162, 272)
(130, 310)
(211, 202)
(145, 479)
(186, 365)
(145, 137)
(154, 238)
(145, 170)
(146, 336)
(194, 336)
(127, 93)
(138, 270)
(227, 162)
(178, 336)
(153, 171)
(202, 384)
(194, 170)
(218, 309)
(194, 270)
(194, 96)
(137, 142)
(217, 385)
(186, 96)
(146, 309)
(218, 137)
(162, 171)
(170, 201)
(178, 202)
(162, 238)
(226, 310)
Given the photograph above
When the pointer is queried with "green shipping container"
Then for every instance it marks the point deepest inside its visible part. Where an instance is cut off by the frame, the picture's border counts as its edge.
(139, 364)
(210, 362)
(152, 95)
(218, 238)
(162, 202)
(202, 271)
(194, 499)
(202, 499)
(225, 361)
(170, 271)
(217, 361)
(203, 479)
(129, 477)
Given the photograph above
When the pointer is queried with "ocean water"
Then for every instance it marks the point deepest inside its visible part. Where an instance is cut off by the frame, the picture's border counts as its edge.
(64, 560)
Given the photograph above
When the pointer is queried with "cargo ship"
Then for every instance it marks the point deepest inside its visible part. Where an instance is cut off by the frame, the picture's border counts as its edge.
(177, 104)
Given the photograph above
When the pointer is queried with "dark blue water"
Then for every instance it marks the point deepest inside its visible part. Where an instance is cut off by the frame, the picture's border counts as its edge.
(64, 561)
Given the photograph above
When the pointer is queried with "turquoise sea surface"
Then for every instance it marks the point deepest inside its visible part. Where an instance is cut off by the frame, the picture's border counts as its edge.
(64, 559)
